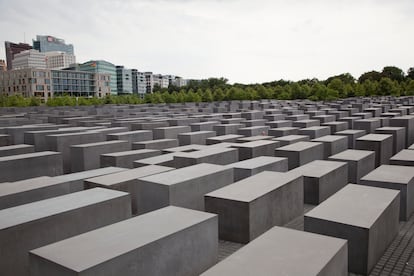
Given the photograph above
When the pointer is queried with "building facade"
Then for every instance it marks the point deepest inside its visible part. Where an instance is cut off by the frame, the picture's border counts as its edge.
(103, 67)
(12, 49)
(149, 82)
(139, 84)
(46, 83)
(47, 43)
(3, 66)
(123, 80)
(59, 60)
(161, 80)
(29, 59)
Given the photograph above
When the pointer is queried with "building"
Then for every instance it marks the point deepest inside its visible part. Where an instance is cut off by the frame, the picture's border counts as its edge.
(46, 83)
(47, 43)
(161, 80)
(3, 66)
(59, 60)
(29, 59)
(12, 49)
(139, 86)
(123, 80)
(149, 82)
(104, 67)
(180, 82)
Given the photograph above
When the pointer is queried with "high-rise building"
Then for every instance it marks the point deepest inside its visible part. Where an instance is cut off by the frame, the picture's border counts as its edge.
(180, 82)
(46, 83)
(47, 43)
(101, 66)
(149, 81)
(123, 80)
(161, 80)
(12, 49)
(3, 66)
(29, 59)
(139, 84)
(59, 60)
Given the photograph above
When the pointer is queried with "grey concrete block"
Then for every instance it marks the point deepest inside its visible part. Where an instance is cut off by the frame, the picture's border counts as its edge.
(332, 144)
(306, 123)
(29, 165)
(204, 126)
(337, 126)
(407, 122)
(352, 135)
(5, 140)
(289, 252)
(291, 139)
(229, 138)
(365, 216)
(215, 155)
(283, 131)
(125, 159)
(161, 160)
(250, 207)
(131, 136)
(247, 168)
(279, 123)
(380, 143)
(369, 125)
(36, 224)
(315, 132)
(254, 138)
(321, 179)
(180, 242)
(253, 131)
(403, 158)
(87, 156)
(399, 178)
(169, 132)
(301, 153)
(360, 163)
(225, 129)
(156, 144)
(256, 148)
(125, 181)
(197, 137)
(398, 137)
(16, 149)
(183, 187)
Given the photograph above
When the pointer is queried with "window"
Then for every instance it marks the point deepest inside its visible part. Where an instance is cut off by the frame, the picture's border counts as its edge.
(40, 87)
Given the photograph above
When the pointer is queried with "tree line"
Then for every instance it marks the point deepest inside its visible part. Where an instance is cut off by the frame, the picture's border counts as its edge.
(390, 81)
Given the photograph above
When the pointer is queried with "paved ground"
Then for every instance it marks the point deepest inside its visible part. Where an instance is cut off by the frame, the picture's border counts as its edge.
(397, 260)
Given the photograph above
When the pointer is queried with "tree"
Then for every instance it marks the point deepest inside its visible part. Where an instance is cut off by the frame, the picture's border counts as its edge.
(393, 73)
(337, 85)
(218, 94)
(371, 75)
(207, 96)
(385, 87)
(410, 88)
(410, 73)
(345, 78)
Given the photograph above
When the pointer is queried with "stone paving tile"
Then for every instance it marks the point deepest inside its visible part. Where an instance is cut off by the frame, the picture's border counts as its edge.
(398, 259)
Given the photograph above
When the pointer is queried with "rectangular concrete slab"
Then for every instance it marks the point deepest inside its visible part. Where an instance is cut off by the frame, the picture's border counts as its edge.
(125, 159)
(36, 224)
(365, 216)
(250, 207)
(157, 243)
(287, 252)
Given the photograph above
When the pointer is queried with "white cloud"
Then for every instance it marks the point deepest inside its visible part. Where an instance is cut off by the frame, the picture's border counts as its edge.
(245, 41)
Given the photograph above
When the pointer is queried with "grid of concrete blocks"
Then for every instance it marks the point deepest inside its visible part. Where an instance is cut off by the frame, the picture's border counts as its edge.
(226, 188)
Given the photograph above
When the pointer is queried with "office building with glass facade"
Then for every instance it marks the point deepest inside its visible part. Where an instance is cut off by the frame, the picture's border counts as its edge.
(47, 43)
(123, 80)
(104, 67)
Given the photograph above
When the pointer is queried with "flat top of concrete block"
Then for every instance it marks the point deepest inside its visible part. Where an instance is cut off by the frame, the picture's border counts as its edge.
(99, 144)
(369, 120)
(108, 242)
(318, 168)
(300, 146)
(196, 132)
(28, 155)
(356, 205)
(256, 143)
(351, 131)
(255, 186)
(228, 125)
(352, 154)
(284, 128)
(184, 174)
(391, 174)
(186, 148)
(283, 251)
(155, 141)
(130, 152)
(27, 184)
(210, 150)
(334, 123)
(130, 132)
(172, 127)
(12, 147)
(390, 129)
(404, 155)
(330, 138)
(225, 137)
(40, 209)
(158, 159)
(89, 173)
(221, 145)
(375, 137)
(110, 129)
(127, 175)
(205, 123)
(315, 127)
(291, 137)
(405, 117)
(256, 162)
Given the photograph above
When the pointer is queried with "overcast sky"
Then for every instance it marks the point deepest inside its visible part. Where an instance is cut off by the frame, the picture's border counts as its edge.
(243, 40)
